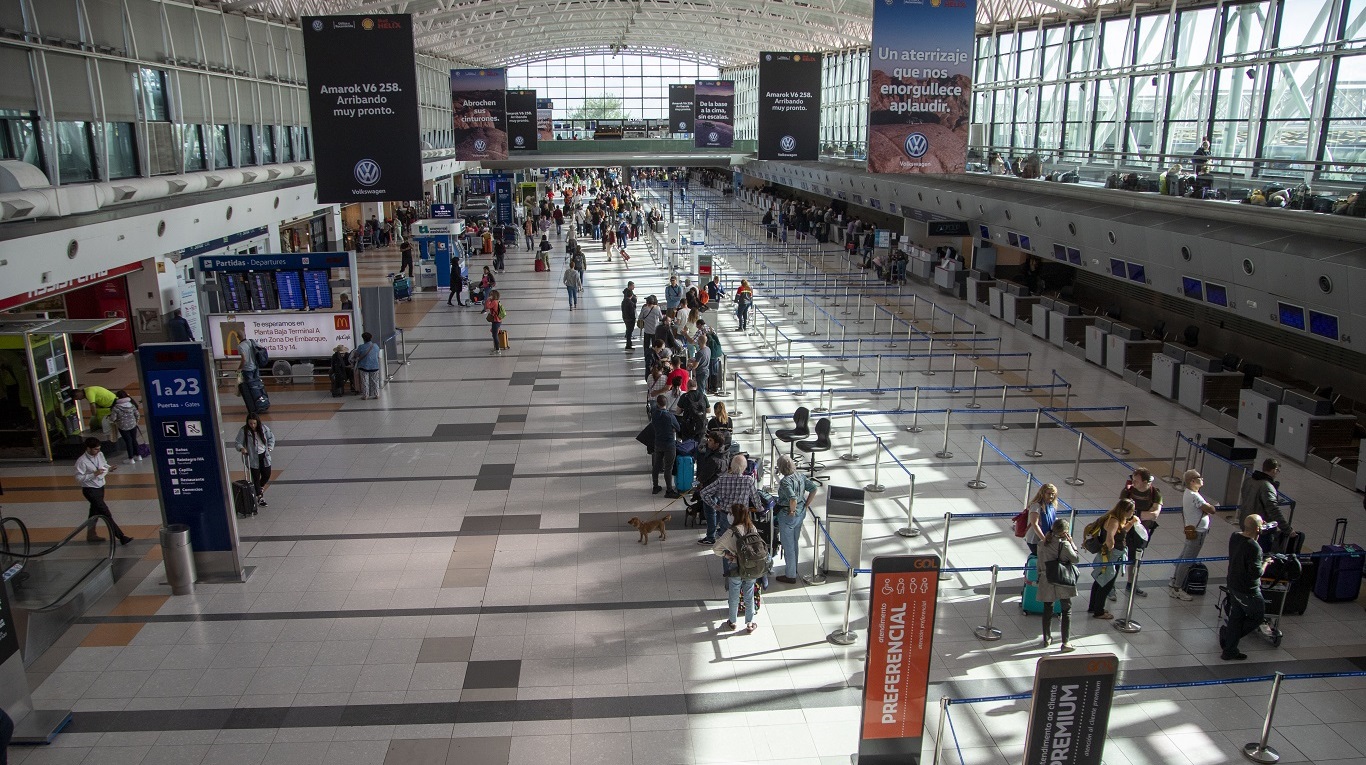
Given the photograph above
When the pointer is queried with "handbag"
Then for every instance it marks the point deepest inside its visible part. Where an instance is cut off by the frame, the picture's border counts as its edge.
(1061, 572)
(1021, 522)
(1191, 534)
(1094, 543)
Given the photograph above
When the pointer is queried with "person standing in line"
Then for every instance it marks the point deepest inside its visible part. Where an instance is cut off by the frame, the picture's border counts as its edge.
(91, 469)
(405, 265)
(1114, 529)
(628, 312)
(255, 440)
(1057, 546)
(125, 411)
(529, 230)
(178, 328)
(701, 361)
(1259, 496)
(791, 512)
(1247, 607)
(457, 284)
(495, 313)
(1195, 513)
(666, 446)
(741, 582)
(572, 283)
(649, 321)
(1148, 499)
(1043, 510)
(733, 488)
(366, 359)
(744, 298)
(673, 294)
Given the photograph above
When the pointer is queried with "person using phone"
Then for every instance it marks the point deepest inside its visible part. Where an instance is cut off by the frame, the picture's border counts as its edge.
(1058, 548)
(91, 469)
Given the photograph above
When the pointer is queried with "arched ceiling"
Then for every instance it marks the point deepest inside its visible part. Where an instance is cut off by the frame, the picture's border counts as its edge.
(724, 33)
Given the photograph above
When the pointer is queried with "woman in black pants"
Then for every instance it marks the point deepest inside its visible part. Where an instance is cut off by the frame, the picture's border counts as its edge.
(1113, 527)
(1057, 546)
(256, 441)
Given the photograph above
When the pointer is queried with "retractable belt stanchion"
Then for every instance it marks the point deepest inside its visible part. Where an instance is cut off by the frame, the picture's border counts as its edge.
(828, 336)
(754, 417)
(787, 363)
(944, 453)
(1075, 479)
(851, 456)
(820, 404)
(875, 487)
(858, 358)
(977, 482)
(973, 403)
(929, 358)
(987, 631)
(1001, 424)
(1259, 751)
(816, 576)
(953, 375)
(1175, 479)
(1127, 625)
(909, 531)
(1123, 433)
(1033, 451)
(948, 521)
(843, 331)
(914, 427)
(844, 635)
(877, 379)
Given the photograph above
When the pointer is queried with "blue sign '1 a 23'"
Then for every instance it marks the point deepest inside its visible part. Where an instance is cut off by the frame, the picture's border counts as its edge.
(171, 393)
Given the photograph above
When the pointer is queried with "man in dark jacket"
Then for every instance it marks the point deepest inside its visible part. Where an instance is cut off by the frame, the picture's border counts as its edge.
(1259, 497)
(178, 328)
(666, 447)
(628, 312)
(1246, 605)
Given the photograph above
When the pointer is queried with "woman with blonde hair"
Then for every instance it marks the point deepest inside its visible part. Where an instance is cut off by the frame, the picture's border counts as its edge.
(1043, 511)
(720, 422)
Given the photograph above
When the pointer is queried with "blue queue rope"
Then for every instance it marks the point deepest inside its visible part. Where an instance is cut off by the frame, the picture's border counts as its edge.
(954, 732)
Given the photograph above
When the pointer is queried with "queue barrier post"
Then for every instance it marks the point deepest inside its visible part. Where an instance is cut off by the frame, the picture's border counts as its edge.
(754, 411)
(997, 370)
(914, 427)
(973, 403)
(851, 456)
(1029, 489)
(844, 635)
(908, 531)
(929, 358)
(858, 358)
(944, 453)
(787, 364)
(1123, 433)
(858, 317)
(1029, 361)
(1067, 404)
(944, 556)
(900, 387)
(1127, 625)
(828, 338)
(820, 403)
(735, 386)
(801, 372)
(816, 576)
(988, 632)
(875, 487)
(953, 376)
(846, 310)
(1001, 424)
(1075, 479)
(844, 330)
(1173, 478)
(877, 379)
(939, 733)
(977, 482)
(1034, 450)
(1259, 750)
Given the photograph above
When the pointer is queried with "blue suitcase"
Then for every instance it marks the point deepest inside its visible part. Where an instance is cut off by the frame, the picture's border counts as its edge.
(1340, 568)
(403, 288)
(683, 471)
(1029, 601)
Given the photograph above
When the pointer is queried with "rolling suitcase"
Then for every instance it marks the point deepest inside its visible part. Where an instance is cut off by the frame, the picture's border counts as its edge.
(541, 265)
(683, 474)
(1339, 568)
(253, 391)
(1297, 594)
(1029, 601)
(502, 339)
(244, 494)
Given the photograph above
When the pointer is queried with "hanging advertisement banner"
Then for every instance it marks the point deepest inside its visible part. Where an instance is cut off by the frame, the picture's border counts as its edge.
(478, 102)
(920, 86)
(897, 667)
(713, 114)
(366, 138)
(1069, 716)
(545, 123)
(521, 117)
(680, 108)
(789, 106)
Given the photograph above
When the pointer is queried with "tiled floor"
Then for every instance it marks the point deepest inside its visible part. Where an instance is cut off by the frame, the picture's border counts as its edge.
(445, 576)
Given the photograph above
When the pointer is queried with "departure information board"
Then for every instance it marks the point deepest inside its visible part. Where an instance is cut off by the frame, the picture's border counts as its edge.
(317, 290)
(262, 291)
(234, 294)
(290, 289)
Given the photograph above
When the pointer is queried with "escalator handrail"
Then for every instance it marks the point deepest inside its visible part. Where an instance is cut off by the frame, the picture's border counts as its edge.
(4, 537)
(89, 524)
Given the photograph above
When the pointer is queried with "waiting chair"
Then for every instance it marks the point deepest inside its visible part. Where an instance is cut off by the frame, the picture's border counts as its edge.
(1191, 336)
(801, 428)
(821, 443)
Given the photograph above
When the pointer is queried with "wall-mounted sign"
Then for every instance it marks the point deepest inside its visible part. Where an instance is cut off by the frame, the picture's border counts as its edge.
(947, 228)
(295, 335)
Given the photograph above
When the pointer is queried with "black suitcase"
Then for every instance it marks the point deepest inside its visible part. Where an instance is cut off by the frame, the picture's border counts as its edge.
(244, 494)
(253, 390)
(1297, 596)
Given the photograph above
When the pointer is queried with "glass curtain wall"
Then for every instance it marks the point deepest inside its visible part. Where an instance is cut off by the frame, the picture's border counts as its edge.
(623, 86)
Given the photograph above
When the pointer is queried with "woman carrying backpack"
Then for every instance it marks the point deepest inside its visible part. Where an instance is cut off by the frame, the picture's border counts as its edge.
(744, 547)
(1106, 538)
(125, 414)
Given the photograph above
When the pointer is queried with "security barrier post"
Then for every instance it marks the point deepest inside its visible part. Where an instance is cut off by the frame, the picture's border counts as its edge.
(1029, 361)
(977, 482)
(987, 632)
(914, 427)
(843, 331)
(850, 456)
(816, 577)
(875, 487)
(1259, 751)
(820, 404)
(858, 317)
(844, 635)
(973, 403)
(929, 358)
(909, 531)
(753, 410)
(1123, 433)
(787, 365)
(948, 521)
(1075, 479)
(801, 373)
(1175, 479)
(858, 358)
(1034, 450)
(877, 379)
(900, 385)
(828, 338)
(1127, 625)
(1001, 425)
(953, 376)
(944, 453)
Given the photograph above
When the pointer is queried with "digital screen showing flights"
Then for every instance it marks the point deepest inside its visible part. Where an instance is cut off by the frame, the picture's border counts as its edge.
(289, 286)
(234, 297)
(317, 290)
(262, 291)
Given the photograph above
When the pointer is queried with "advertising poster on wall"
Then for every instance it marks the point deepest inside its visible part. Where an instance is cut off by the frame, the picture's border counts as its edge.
(521, 117)
(920, 86)
(1069, 716)
(478, 102)
(897, 667)
(714, 114)
(545, 122)
(680, 108)
(789, 105)
(295, 335)
(366, 138)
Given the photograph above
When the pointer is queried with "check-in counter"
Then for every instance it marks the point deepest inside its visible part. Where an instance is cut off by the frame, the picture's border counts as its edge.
(1298, 433)
(979, 290)
(1097, 341)
(1203, 382)
(950, 280)
(996, 299)
(1166, 372)
(1127, 351)
(1038, 317)
(1066, 325)
(1018, 309)
(1257, 416)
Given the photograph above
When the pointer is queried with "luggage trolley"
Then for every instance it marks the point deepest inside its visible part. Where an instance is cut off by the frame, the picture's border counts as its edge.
(1278, 577)
(403, 288)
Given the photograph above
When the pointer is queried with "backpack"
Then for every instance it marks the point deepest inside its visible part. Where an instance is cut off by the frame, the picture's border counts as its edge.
(262, 355)
(1197, 579)
(502, 313)
(751, 555)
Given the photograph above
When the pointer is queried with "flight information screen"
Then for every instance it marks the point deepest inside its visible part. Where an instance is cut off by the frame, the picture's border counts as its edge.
(290, 288)
(234, 293)
(262, 291)
(317, 290)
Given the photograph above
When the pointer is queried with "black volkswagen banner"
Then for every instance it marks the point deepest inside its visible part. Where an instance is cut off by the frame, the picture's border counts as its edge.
(680, 108)
(366, 139)
(714, 114)
(478, 100)
(521, 112)
(789, 105)
(1069, 718)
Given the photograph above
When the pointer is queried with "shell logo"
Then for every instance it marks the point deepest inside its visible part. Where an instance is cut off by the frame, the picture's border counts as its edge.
(367, 24)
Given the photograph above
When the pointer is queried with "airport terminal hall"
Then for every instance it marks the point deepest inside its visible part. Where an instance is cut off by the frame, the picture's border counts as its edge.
(646, 382)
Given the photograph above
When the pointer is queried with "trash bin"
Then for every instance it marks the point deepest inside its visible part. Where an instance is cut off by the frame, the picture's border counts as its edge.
(178, 558)
(1224, 481)
(844, 520)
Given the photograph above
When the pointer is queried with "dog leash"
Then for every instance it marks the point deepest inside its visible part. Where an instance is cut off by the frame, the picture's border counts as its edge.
(660, 512)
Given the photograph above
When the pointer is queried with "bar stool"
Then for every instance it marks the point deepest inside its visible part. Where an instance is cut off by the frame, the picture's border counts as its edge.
(821, 443)
(801, 428)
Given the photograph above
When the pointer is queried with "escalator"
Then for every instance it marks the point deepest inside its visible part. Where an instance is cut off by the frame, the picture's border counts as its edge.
(52, 587)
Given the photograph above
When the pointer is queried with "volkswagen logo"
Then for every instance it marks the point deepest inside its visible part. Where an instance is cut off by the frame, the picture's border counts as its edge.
(367, 172)
(916, 145)
(317, 25)
(519, 140)
(713, 137)
(682, 127)
(480, 145)
(787, 143)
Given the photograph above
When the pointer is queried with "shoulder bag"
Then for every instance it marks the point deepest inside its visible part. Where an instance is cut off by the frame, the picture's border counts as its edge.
(1061, 572)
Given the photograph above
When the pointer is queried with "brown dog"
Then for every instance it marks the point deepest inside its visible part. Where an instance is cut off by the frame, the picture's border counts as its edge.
(645, 527)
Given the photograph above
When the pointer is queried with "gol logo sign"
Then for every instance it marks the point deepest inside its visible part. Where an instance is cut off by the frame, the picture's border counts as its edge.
(925, 563)
(341, 322)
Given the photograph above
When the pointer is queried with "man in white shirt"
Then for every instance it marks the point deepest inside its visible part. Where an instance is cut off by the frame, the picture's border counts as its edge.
(91, 468)
(1195, 514)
